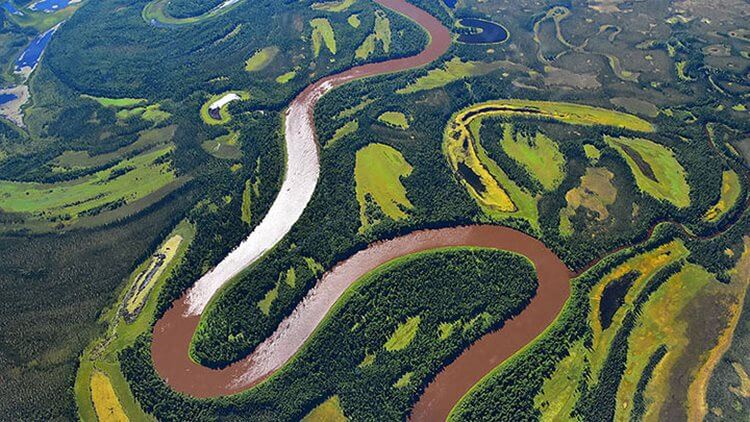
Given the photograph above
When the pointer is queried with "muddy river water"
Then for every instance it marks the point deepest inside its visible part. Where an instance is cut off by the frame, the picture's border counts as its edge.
(173, 332)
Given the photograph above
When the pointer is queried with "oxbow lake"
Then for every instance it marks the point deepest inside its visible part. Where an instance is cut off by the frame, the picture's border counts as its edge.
(487, 32)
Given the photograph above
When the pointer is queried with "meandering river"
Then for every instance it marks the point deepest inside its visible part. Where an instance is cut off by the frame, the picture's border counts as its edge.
(173, 332)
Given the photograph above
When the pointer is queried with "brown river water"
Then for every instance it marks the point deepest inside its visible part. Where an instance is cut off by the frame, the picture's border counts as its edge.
(173, 332)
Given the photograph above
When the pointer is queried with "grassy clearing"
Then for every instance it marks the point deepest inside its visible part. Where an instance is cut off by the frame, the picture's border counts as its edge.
(328, 411)
(152, 113)
(404, 380)
(347, 129)
(730, 193)
(354, 21)
(101, 354)
(592, 153)
(595, 193)
(655, 169)
(265, 303)
(538, 154)
(128, 181)
(225, 147)
(560, 393)
(156, 265)
(322, 33)
(570, 113)
(496, 193)
(645, 266)
(261, 58)
(377, 172)
(148, 139)
(247, 199)
(117, 102)
(286, 77)
(333, 6)
(403, 335)
(452, 71)
(661, 322)
(223, 112)
(395, 119)
(381, 34)
(351, 111)
(107, 406)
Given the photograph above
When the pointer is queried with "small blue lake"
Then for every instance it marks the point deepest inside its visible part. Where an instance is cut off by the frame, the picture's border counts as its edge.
(49, 6)
(30, 56)
(484, 32)
(11, 8)
(450, 3)
(6, 98)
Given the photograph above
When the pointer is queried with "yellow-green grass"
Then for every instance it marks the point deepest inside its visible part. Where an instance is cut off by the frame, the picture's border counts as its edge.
(314, 266)
(570, 113)
(247, 199)
(144, 174)
(403, 335)
(351, 111)
(592, 153)
(147, 139)
(739, 281)
(286, 77)
(368, 360)
(40, 20)
(289, 277)
(539, 155)
(560, 393)
(378, 171)
(595, 193)
(265, 303)
(223, 112)
(328, 411)
(225, 146)
(107, 406)
(680, 67)
(625, 75)
(261, 58)
(152, 113)
(730, 193)
(347, 129)
(404, 380)
(452, 71)
(142, 287)
(496, 193)
(661, 322)
(445, 329)
(646, 265)
(322, 34)
(333, 6)
(381, 33)
(395, 119)
(670, 182)
(354, 21)
(102, 353)
(117, 102)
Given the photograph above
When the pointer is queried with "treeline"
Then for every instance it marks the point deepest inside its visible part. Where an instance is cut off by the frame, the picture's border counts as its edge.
(495, 285)
(55, 287)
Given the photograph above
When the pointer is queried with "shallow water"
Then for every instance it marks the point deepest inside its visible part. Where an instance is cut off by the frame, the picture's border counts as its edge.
(30, 57)
(6, 98)
(49, 6)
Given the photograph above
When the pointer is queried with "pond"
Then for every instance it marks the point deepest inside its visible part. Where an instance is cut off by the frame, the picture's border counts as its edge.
(49, 6)
(11, 9)
(6, 98)
(450, 3)
(485, 32)
(30, 57)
